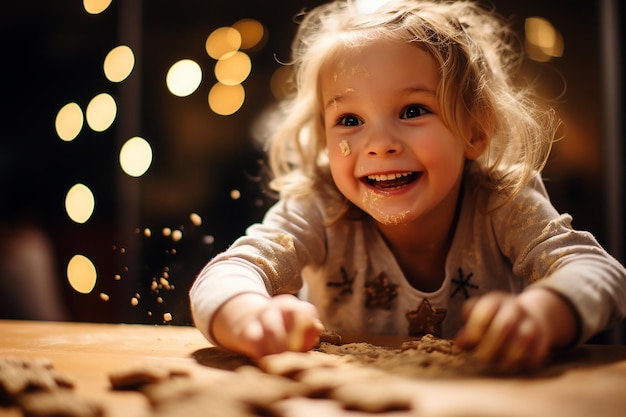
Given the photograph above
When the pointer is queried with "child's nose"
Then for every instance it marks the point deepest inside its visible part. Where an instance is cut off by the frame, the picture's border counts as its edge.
(383, 143)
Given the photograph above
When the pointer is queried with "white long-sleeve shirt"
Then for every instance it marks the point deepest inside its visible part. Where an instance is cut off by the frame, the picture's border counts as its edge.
(347, 270)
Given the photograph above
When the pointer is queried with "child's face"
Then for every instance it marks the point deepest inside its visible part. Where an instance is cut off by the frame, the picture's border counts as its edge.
(389, 150)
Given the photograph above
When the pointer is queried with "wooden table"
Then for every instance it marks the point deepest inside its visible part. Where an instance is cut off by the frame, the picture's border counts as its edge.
(589, 381)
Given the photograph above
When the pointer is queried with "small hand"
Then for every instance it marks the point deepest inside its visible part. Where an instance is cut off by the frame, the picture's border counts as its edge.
(257, 326)
(503, 331)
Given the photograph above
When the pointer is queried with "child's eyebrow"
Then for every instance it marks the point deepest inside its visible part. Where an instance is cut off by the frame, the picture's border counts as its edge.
(338, 97)
(334, 100)
(408, 90)
(420, 90)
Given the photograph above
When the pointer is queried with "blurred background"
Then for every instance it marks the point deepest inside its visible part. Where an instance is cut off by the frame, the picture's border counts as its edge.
(127, 148)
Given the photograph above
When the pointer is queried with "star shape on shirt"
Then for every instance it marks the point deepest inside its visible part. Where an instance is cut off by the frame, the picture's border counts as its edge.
(344, 286)
(463, 284)
(380, 292)
(425, 320)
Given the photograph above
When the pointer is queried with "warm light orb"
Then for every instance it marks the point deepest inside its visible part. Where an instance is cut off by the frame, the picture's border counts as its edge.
(81, 274)
(79, 203)
(281, 82)
(184, 77)
(226, 99)
(119, 63)
(234, 69)
(101, 112)
(69, 122)
(195, 219)
(177, 235)
(96, 6)
(543, 40)
(251, 31)
(135, 156)
(223, 42)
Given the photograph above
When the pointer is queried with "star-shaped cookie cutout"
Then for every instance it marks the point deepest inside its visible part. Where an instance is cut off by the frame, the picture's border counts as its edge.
(425, 320)
(380, 292)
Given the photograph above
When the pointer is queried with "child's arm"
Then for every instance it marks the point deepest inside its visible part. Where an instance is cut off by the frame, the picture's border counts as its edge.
(255, 325)
(517, 331)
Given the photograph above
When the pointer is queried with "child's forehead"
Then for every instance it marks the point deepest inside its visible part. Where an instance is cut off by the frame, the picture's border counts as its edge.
(381, 69)
(353, 58)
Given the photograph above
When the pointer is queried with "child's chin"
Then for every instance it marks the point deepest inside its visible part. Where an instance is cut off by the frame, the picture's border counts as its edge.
(392, 219)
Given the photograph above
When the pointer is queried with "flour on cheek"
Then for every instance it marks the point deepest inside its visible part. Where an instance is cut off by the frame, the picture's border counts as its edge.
(345, 147)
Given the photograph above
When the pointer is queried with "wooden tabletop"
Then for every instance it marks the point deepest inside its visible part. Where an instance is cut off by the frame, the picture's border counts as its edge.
(589, 381)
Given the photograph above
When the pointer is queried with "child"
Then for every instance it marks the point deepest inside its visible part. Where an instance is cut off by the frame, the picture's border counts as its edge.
(410, 201)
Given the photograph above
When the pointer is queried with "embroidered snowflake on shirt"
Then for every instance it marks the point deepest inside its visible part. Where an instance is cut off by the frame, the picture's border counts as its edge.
(380, 292)
(425, 320)
(344, 286)
(463, 284)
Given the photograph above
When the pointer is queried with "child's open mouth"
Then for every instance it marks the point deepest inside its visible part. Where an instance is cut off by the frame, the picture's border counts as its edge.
(391, 181)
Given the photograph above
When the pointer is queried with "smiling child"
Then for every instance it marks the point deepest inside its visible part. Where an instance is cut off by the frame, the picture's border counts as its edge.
(408, 168)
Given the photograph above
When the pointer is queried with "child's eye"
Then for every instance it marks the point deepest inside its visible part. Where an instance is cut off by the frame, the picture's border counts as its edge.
(349, 120)
(412, 111)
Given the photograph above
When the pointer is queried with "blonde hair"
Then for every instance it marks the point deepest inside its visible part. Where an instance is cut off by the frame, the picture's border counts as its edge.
(477, 54)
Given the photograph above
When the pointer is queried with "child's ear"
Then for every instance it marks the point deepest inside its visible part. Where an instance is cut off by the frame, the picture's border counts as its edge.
(480, 135)
(479, 132)
(476, 145)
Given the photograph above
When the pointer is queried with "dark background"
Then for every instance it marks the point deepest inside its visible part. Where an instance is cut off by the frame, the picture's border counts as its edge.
(53, 53)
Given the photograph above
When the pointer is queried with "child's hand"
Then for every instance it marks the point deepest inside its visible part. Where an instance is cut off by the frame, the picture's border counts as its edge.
(506, 331)
(516, 332)
(257, 326)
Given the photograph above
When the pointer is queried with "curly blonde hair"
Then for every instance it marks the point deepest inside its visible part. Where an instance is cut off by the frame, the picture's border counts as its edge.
(478, 55)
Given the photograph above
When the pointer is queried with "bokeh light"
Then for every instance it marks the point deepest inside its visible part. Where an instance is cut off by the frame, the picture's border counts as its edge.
(233, 69)
(281, 83)
(543, 40)
(79, 203)
(177, 235)
(69, 122)
(135, 156)
(101, 112)
(119, 63)
(184, 77)
(195, 219)
(226, 99)
(252, 32)
(96, 6)
(223, 42)
(81, 274)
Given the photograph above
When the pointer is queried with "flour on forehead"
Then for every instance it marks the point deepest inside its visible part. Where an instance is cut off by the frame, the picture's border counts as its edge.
(342, 69)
